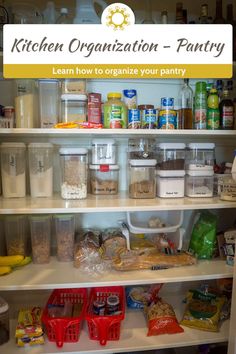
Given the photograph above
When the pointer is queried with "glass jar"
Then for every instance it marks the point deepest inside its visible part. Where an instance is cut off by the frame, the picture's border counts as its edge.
(4, 322)
(74, 163)
(115, 112)
(200, 156)
(171, 156)
(15, 227)
(25, 108)
(104, 179)
(199, 184)
(103, 152)
(40, 229)
(48, 102)
(142, 180)
(73, 108)
(170, 184)
(13, 169)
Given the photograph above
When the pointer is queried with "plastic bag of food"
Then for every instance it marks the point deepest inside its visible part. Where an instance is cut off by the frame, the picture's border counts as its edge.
(137, 297)
(203, 238)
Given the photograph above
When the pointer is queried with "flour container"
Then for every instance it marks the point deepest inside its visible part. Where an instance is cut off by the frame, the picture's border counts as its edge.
(65, 234)
(142, 181)
(170, 184)
(40, 229)
(16, 234)
(13, 169)
(41, 169)
(48, 103)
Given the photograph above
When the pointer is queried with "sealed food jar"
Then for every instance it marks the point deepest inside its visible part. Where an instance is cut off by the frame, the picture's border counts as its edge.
(199, 184)
(170, 184)
(65, 235)
(115, 112)
(142, 180)
(200, 156)
(15, 227)
(103, 152)
(171, 156)
(4, 321)
(40, 229)
(74, 163)
(73, 108)
(141, 148)
(104, 179)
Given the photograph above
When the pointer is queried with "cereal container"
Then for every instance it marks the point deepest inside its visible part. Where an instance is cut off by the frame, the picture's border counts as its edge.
(74, 164)
(103, 152)
(40, 229)
(65, 234)
(104, 179)
(142, 181)
(16, 234)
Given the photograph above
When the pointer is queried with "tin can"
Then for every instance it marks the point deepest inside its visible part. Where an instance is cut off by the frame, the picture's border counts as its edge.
(99, 307)
(130, 98)
(149, 119)
(167, 103)
(134, 120)
(167, 119)
(113, 304)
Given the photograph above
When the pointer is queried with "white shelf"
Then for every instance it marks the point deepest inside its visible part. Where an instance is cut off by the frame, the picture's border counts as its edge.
(57, 275)
(118, 203)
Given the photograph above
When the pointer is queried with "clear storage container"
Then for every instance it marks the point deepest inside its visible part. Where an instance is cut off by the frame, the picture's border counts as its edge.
(74, 86)
(171, 156)
(41, 169)
(199, 184)
(170, 184)
(103, 152)
(141, 148)
(142, 180)
(73, 108)
(13, 169)
(40, 229)
(200, 156)
(74, 164)
(16, 234)
(65, 234)
(227, 188)
(48, 102)
(25, 104)
(4, 321)
(104, 179)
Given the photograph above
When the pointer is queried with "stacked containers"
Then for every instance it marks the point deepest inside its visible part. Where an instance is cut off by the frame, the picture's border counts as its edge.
(199, 170)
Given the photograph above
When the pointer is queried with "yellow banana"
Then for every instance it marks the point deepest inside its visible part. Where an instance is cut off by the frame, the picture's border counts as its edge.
(25, 261)
(10, 260)
(5, 270)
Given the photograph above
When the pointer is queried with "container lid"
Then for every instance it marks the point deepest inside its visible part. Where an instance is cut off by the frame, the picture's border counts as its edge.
(3, 305)
(73, 97)
(40, 145)
(229, 164)
(142, 162)
(63, 216)
(8, 107)
(13, 145)
(73, 151)
(49, 81)
(172, 146)
(114, 94)
(207, 146)
(195, 173)
(104, 168)
(196, 167)
(103, 142)
(40, 217)
(171, 173)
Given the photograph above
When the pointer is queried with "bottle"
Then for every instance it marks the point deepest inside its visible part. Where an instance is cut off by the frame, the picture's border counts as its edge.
(226, 111)
(179, 13)
(186, 106)
(148, 13)
(164, 17)
(200, 107)
(204, 14)
(219, 87)
(49, 14)
(219, 19)
(63, 19)
(185, 16)
(85, 11)
(213, 112)
(115, 111)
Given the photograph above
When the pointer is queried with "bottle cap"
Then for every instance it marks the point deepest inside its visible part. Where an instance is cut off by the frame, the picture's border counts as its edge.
(114, 95)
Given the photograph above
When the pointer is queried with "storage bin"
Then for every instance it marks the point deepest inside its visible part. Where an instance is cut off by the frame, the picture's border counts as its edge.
(74, 163)
(141, 148)
(200, 156)
(4, 321)
(73, 108)
(171, 156)
(104, 179)
(103, 152)
(170, 184)
(199, 183)
(48, 102)
(13, 169)
(16, 234)
(25, 104)
(142, 180)
(40, 229)
(41, 169)
(65, 235)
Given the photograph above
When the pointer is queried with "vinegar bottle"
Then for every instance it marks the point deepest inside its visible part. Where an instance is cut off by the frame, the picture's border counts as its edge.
(186, 106)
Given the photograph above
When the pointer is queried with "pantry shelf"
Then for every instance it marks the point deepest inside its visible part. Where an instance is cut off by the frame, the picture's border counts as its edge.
(57, 275)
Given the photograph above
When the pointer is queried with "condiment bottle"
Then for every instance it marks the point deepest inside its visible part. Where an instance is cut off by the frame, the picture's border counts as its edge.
(226, 112)
(115, 111)
(213, 112)
(200, 108)
(186, 106)
(219, 19)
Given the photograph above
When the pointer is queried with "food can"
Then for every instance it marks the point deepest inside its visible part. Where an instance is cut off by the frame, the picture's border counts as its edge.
(167, 103)
(99, 307)
(134, 119)
(149, 119)
(130, 98)
(167, 119)
(113, 304)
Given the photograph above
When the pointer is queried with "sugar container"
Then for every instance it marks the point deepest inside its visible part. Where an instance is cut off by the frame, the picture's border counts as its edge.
(16, 234)
(199, 183)
(40, 229)
(142, 181)
(170, 184)
(65, 234)
(103, 152)
(104, 179)
(171, 156)
(200, 156)
(4, 321)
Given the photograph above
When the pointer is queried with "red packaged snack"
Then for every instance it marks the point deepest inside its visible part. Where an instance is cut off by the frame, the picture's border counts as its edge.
(94, 108)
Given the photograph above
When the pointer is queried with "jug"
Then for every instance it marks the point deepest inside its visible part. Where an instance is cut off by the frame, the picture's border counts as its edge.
(4, 19)
(85, 11)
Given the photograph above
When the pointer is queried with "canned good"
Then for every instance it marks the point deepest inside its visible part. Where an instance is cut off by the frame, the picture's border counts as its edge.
(167, 103)
(134, 119)
(149, 119)
(130, 98)
(167, 119)
(99, 307)
(113, 304)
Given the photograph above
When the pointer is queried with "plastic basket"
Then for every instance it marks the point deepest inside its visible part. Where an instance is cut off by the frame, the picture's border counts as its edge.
(104, 328)
(61, 329)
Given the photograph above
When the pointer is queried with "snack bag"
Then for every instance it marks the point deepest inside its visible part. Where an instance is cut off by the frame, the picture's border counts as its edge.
(140, 296)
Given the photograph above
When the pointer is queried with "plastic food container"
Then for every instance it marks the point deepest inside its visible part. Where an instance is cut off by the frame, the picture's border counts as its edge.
(171, 156)
(48, 102)
(104, 179)
(74, 164)
(199, 184)
(13, 169)
(25, 109)
(103, 152)
(65, 234)
(141, 148)
(41, 169)
(40, 229)
(142, 180)
(16, 234)
(73, 108)
(170, 184)
(200, 156)
(4, 321)
(227, 188)
(74, 86)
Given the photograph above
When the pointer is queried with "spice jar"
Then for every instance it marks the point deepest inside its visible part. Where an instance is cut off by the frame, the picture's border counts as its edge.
(104, 179)
(4, 321)
(74, 163)
(103, 152)
(200, 156)
(73, 108)
(40, 229)
(170, 184)
(65, 234)
(171, 156)
(142, 181)
(115, 112)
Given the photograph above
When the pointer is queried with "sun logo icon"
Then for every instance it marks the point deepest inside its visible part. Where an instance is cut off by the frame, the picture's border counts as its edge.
(118, 16)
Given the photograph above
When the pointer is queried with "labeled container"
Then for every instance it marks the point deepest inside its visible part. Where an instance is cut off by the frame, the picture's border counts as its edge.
(4, 322)
(73, 108)
(200, 156)
(41, 169)
(104, 152)
(142, 180)
(104, 179)
(134, 119)
(48, 102)
(74, 165)
(65, 235)
(13, 170)
(171, 156)
(15, 227)
(40, 229)
(141, 148)
(170, 184)
(130, 98)
(74, 86)
(25, 107)
(115, 112)
(199, 184)
(149, 119)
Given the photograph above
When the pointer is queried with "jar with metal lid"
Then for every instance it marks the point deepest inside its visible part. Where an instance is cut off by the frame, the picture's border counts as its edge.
(142, 181)
(104, 179)
(73, 108)
(171, 156)
(4, 321)
(200, 156)
(115, 112)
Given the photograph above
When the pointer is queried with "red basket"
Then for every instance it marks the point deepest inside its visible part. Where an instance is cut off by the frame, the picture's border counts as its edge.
(61, 329)
(104, 328)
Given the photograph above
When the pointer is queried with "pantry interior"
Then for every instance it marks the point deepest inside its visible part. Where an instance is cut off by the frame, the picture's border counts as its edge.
(33, 284)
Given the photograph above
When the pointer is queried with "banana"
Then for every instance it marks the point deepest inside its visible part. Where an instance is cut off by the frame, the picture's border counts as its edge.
(10, 260)
(25, 261)
(5, 270)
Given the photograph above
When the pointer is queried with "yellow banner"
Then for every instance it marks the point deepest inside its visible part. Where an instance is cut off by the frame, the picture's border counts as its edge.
(116, 71)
